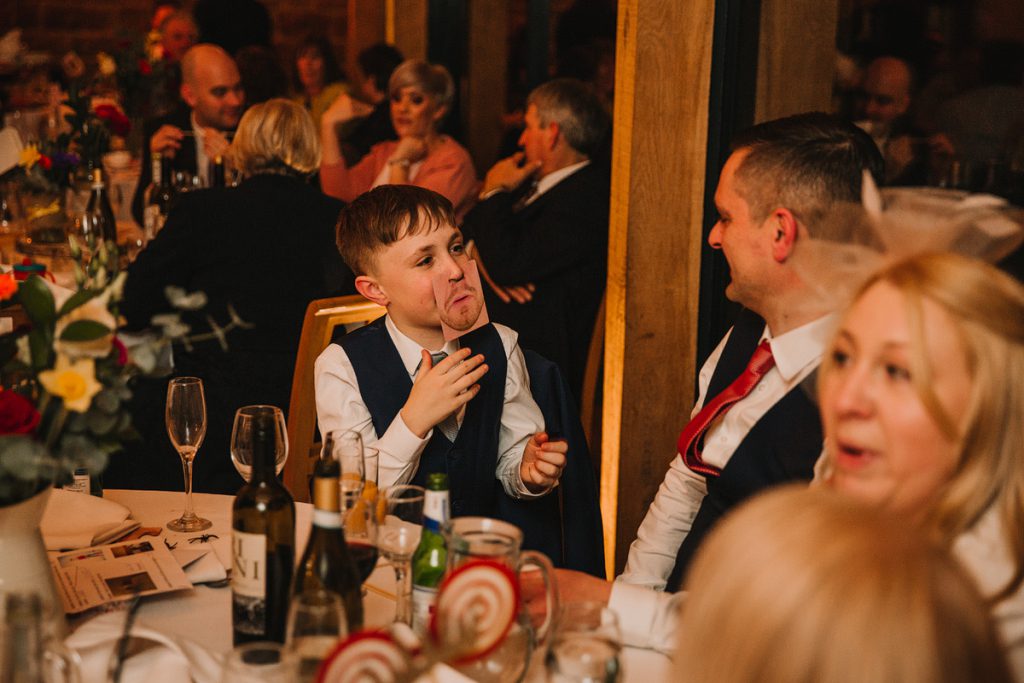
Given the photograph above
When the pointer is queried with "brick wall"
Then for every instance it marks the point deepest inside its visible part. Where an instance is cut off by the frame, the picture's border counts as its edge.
(88, 26)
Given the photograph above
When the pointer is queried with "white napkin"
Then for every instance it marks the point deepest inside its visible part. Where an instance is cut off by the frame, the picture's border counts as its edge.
(201, 566)
(10, 149)
(169, 660)
(78, 520)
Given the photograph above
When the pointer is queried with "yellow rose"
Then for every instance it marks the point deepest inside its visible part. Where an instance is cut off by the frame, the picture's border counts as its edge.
(28, 156)
(75, 382)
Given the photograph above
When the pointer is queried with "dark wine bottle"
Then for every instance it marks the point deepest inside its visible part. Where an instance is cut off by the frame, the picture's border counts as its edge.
(217, 175)
(263, 546)
(98, 212)
(326, 563)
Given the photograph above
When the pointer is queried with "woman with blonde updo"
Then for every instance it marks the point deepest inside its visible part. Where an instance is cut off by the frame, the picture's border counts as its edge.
(266, 249)
(922, 401)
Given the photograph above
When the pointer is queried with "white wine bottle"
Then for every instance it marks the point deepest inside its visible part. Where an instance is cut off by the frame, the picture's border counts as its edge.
(326, 562)
(263, 546)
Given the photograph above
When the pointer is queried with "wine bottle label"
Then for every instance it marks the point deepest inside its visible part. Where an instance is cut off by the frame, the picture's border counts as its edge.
(80, 482)
(435, 510)
(248, 582)
(423, 600)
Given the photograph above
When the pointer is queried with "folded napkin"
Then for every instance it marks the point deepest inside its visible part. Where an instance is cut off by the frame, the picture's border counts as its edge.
(78, 520)
(160, 658)
(201, 566)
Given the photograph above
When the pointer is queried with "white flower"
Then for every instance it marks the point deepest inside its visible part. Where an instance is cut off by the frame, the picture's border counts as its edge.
(95, 310)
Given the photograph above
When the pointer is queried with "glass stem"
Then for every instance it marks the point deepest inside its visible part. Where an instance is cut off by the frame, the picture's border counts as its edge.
(403, 593)
(186, 465)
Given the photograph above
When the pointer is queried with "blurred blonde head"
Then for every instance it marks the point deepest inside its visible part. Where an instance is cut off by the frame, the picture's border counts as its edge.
(802, 586)
(276, 136)
(986, 308)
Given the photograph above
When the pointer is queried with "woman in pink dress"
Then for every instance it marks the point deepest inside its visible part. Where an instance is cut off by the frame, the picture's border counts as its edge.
(421, 95)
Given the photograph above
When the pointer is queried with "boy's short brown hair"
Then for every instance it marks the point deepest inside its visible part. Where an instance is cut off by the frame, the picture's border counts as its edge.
(385, 215)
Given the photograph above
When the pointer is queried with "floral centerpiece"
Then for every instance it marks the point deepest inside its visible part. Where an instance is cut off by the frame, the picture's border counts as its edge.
(90, 123)
(65, 378)
(147, 81)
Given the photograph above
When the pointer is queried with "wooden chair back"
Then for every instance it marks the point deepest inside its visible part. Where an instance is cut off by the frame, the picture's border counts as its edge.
(322, 317)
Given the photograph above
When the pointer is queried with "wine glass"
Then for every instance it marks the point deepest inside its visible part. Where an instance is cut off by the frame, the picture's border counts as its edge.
(186, 425)
(359, 500)
(316, 621)
(586, 645)
(243, 433)
(397, 538)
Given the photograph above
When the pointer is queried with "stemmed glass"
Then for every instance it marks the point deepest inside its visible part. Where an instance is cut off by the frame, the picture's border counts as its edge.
(397, 538)
(242, 435)
(186, 426)
(358, 497)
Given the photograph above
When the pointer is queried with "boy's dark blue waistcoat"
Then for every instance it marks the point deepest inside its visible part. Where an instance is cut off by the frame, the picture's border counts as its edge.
(781, 447)
(469, 462)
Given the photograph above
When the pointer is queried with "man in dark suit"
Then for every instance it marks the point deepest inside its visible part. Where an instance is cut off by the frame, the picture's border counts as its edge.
(194, 133)
(540, 231)
(754, 425)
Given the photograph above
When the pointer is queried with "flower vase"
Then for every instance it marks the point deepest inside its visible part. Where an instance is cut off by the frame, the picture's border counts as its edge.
(24, 565)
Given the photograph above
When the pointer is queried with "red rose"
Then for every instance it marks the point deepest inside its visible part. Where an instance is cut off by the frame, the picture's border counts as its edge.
(145, 68)
(46, 162)
(122, 352)
(17, 414)
(114, 118)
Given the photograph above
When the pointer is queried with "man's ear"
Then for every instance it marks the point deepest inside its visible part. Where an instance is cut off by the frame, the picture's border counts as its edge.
(785, 231)
(188, 94)
(554, 134)
(371, 289)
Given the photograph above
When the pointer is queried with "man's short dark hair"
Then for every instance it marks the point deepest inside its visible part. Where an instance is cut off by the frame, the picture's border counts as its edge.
(378, 61)
(805, 163)
(385, 215)
(577, 111)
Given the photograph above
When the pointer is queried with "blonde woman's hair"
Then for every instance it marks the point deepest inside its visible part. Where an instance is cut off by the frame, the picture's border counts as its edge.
(276, 136)
(802, 586)
(986, 307)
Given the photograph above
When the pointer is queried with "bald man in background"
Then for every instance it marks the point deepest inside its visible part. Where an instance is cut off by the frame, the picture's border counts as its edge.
(195, 133)
(887, 96)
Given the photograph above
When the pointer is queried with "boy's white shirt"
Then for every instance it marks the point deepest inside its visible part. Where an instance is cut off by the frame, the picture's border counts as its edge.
(339, 405)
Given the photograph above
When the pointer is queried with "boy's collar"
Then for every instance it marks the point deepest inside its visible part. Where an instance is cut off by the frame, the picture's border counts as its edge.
(409, 350)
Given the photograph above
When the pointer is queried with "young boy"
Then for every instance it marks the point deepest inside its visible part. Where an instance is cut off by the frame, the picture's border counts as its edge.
(381, 379)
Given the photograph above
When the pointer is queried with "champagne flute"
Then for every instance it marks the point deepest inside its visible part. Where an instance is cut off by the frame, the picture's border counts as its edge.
(186, 426)
(397, 538)
(243, 432)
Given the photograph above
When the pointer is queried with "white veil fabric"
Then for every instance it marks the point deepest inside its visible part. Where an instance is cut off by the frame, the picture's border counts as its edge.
(856, 240)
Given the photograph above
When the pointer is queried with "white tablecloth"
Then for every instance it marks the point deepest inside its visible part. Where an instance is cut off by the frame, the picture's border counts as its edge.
(203, 614)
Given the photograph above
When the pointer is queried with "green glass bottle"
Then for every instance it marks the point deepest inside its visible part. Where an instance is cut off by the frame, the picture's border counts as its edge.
(431, 556)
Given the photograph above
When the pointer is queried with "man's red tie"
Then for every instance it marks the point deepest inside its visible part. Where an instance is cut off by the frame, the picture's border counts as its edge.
(691, 440)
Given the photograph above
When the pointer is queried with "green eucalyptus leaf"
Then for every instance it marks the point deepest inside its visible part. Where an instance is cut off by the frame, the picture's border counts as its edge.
(76, 300)
(40, 344)
(84, 330)
(100, 423)
(37, 300)
(106, 401)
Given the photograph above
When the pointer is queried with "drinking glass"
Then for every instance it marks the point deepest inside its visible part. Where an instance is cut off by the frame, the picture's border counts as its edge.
(397, 538)
(243, 433)
(586, 645)
(260, 663)
(316, 621)
(186, 425)
(358, 497)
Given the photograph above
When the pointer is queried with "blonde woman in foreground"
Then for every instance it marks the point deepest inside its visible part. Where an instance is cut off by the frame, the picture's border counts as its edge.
(922, 400)
(803, 585)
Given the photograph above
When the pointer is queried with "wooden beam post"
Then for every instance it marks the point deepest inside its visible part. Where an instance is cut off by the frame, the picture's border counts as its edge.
(796, 57)
(406, 27)
(486, 82)
(662, 85)
(365, 28)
